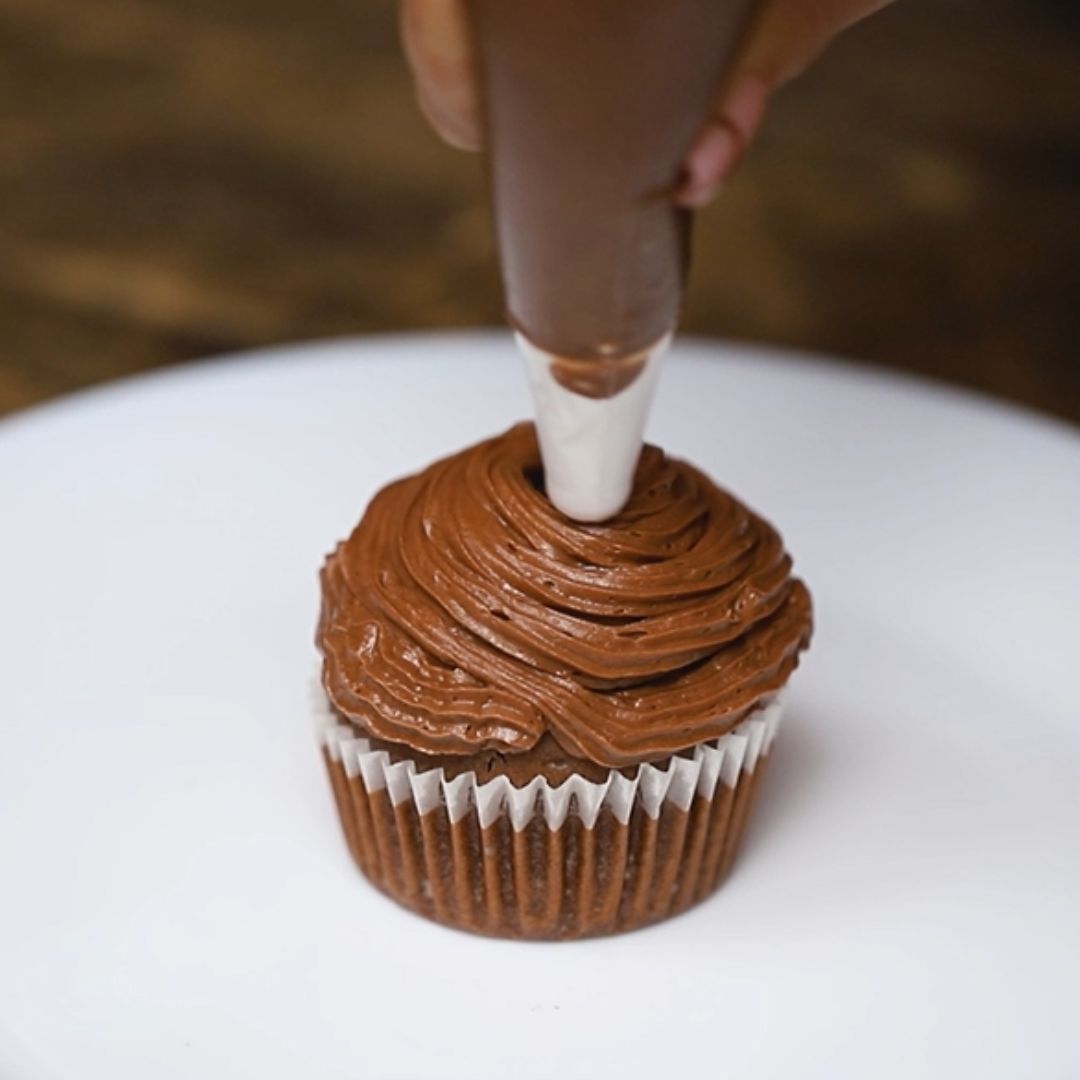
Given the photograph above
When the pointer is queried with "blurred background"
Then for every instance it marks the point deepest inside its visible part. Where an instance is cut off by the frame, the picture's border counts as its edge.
(188, 177)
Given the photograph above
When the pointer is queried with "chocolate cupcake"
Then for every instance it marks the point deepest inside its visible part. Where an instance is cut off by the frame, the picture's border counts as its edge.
(541, 729)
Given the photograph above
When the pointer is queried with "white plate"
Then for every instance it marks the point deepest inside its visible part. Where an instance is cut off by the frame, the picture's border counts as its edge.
(176, 900)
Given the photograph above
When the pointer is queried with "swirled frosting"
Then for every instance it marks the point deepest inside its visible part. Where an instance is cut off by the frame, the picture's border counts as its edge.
(466, 614)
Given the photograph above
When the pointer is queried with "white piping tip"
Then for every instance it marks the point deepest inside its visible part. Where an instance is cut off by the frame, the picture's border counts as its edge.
(590, 445)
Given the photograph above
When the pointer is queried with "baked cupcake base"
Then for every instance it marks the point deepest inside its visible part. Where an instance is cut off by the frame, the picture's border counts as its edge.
(548, 862)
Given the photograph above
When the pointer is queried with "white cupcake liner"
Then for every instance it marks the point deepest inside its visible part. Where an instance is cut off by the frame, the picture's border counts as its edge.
(674, 781)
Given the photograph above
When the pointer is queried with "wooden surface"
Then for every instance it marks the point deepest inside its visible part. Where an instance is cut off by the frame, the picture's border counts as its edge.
(184, 177)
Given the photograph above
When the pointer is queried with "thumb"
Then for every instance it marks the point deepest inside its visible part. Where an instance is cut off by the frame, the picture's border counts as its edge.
(437, 46)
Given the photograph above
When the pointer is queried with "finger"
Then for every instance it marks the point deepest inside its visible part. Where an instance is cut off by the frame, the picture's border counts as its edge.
(720, 146)
(790, 34)
(785, 39)
(436, 39)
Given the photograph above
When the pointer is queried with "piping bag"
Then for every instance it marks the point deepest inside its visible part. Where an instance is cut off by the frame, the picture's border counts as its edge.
(589, 108)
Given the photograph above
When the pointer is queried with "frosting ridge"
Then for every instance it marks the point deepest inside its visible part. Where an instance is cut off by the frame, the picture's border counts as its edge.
(465, 613)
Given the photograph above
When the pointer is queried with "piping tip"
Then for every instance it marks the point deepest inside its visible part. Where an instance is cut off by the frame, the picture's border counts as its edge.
(591, 429)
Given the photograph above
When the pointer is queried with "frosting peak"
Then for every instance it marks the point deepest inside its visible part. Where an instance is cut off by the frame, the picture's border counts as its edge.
(465, 613)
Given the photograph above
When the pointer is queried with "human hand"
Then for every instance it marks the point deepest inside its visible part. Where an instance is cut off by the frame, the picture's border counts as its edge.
(786, 38)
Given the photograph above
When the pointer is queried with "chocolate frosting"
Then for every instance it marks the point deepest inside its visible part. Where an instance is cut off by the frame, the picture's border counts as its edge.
(466, 614)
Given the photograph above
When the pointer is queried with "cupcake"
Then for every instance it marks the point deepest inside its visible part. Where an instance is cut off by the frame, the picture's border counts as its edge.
(536, 728)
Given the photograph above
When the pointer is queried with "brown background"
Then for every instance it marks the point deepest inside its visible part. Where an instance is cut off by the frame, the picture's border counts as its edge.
(183, 177)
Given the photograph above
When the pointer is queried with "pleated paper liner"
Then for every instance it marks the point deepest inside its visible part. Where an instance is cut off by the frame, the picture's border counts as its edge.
(576, 860)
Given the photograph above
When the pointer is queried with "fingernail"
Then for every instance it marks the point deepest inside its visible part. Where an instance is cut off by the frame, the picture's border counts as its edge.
(710, 160)
(720, 147)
